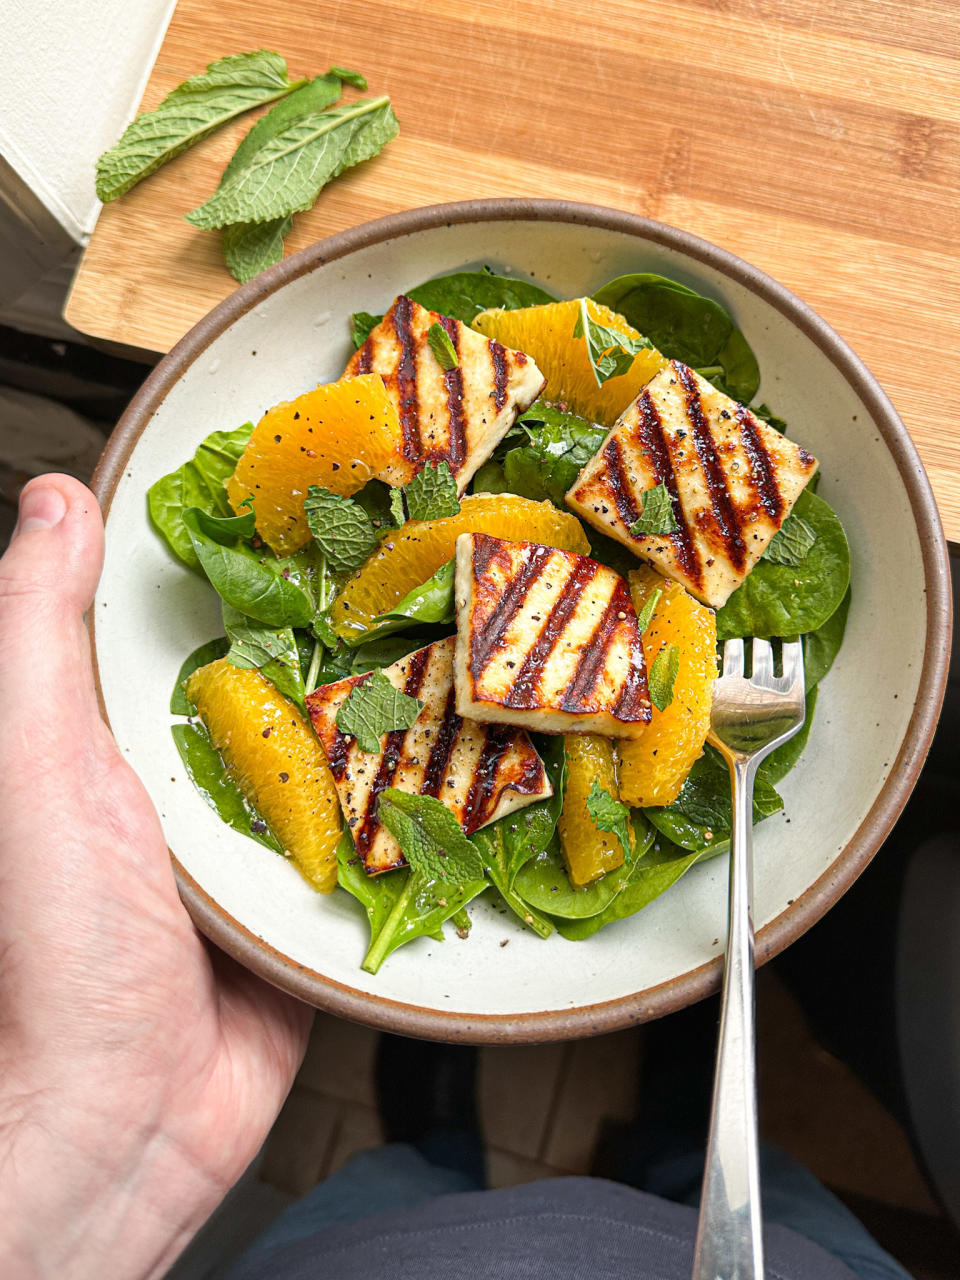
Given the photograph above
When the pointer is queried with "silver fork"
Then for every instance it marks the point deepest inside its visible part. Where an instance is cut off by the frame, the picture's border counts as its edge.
(749, 719)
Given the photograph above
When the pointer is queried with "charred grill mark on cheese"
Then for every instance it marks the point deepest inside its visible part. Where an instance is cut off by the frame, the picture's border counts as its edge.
(498, 357)
(725, 514)
(456, 450)
(337, 756)
(442, 750)
(407, 378)
(634, 701)
(653, 444)
(578, 693)
(496, 740)
(392, 755)
(523, 690)
(363, 361)
(484, 643)
(619, 486)
(764, 479)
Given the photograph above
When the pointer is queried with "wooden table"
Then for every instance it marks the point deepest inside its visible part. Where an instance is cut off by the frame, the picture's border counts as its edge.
(819, 139)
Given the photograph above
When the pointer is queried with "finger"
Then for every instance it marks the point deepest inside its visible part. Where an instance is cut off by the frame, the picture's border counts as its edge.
(48, 575)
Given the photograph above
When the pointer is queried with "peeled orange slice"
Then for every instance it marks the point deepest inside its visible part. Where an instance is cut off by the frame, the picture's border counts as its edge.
(587, 851)
(652, 767)
(413, 553)
(337, 436)
(545, 333)
(273, 755)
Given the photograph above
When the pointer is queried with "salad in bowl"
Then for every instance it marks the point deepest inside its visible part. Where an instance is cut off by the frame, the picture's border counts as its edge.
(472, 593)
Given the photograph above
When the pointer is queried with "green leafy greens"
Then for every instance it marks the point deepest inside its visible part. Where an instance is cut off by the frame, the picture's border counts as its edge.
(290, 170)
(656, 517)
(190, 112)
(662, 676)
(341, 529)
(374, 708)
(610, 815)
(791, 543)
(443, 349)
(610, 352)
(432, 493)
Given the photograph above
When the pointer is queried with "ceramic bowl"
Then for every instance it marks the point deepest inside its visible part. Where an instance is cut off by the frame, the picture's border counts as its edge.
(287, 330)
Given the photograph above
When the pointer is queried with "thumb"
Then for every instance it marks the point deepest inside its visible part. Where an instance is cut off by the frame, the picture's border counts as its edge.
(48, 575)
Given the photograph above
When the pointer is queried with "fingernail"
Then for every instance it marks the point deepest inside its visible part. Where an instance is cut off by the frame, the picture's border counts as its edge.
(41, 507)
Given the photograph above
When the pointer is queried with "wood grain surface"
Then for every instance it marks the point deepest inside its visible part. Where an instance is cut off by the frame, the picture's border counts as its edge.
(818, 139)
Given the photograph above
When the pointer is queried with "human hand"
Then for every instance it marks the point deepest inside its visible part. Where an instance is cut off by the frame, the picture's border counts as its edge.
(139, 1071)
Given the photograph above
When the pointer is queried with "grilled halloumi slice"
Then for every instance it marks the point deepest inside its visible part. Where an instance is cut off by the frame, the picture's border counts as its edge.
(547, 639)
(731, 478)
(458, 416)
(480, 772)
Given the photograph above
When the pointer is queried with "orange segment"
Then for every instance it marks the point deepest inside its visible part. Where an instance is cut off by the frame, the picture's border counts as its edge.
(652, 767)
(546, 334)
(413, 553)
(587, 851)
(337, 436)
(273, 755)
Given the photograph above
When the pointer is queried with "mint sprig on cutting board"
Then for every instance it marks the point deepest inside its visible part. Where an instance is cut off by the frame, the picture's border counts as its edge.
(278, 169)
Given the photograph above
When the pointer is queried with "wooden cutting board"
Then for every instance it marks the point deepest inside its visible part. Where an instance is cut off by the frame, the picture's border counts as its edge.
(819, 140)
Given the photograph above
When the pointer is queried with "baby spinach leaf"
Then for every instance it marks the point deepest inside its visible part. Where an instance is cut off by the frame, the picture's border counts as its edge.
(787, 600)
(507, 844)
(610, 815)
(180, 704)
(463, 294)
(432, 493)
(646, 879)
(227, 529)
(445, 871)
(443, 349)
(374, 708)
(766, 414)
(256, 584)
(790, 544)
(289, 171)
(430, 603)
(544, 883)
(609, 351)
(779, 763)
(198, 483)
(683, 325)
(341, 528)
(190, 112)
(557, 446)
(362, 323)
(656, 515)
(490, 478)
(376, 894)
(272, 651)
(208, 774)
(820, 647)
(662, 676)
(383, 652)
(702, 813)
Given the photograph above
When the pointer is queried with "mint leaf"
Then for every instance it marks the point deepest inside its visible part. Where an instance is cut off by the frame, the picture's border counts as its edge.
(442, 348)
(341, 528)
(190, 112)
(251, 247)
(361, 325)
(646, 613)
(374, 708)
(398, 510)
(791, 543)
(432, 493)
(290, 171)
(271, 650)
(446, 871)
(610, 815)
(657, 516)
(610, 353)
(350, 77)
(662, 675)
(432, 840)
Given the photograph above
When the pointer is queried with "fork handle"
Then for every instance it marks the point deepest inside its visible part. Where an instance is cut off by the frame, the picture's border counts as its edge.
(729, 1242)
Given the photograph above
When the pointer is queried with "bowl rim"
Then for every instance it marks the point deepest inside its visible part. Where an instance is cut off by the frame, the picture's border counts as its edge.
(564, 1024)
